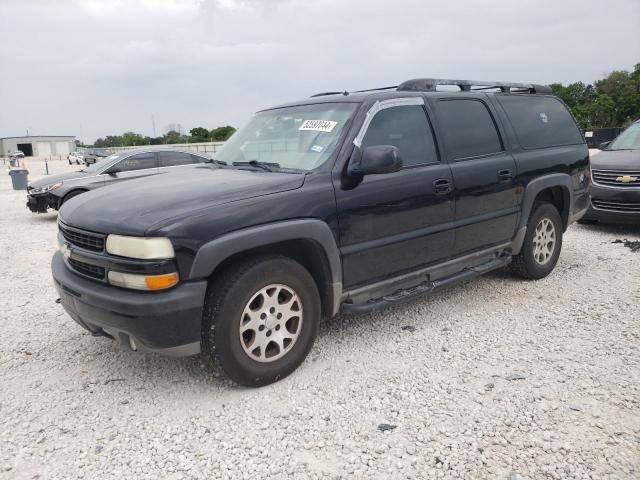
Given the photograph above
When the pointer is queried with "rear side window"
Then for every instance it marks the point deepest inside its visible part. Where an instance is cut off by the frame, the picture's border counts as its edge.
(172, 159)
(407, 128)
(137, 162)
(540, 121)
(469, 129)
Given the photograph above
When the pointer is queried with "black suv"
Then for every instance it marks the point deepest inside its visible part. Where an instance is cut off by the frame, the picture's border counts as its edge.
(341, 202)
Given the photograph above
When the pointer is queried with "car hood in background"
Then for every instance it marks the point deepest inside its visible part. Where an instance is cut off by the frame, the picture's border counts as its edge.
(132, 207)
(619, 160)
(51, 179)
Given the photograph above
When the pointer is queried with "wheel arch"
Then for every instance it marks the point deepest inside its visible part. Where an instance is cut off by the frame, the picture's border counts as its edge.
(310, 242)
(556, 189)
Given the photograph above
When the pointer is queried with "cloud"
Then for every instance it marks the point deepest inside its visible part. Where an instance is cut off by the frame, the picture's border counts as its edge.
(105, 66)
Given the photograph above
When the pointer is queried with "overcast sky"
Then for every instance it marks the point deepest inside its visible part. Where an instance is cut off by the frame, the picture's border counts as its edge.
(91, 68)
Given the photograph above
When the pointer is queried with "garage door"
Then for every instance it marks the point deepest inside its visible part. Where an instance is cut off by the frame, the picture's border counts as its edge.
(44, 149)
(62, 148)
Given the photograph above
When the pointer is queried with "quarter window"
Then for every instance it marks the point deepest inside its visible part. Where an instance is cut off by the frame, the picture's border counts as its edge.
(407, 128)
(469, 129)
(540, 121)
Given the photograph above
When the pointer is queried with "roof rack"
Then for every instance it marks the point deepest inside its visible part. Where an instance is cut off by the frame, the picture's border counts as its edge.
(431, 84)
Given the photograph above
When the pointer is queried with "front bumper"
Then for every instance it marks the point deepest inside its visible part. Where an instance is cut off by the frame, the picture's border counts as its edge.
(614, 204)
(40, 203)
(166, 322)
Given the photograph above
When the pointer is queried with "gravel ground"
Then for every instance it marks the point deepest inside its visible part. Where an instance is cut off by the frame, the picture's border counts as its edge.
(496, 378)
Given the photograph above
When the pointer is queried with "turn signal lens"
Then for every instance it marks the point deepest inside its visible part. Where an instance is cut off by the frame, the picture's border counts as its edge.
(143, 282)
(160, 282)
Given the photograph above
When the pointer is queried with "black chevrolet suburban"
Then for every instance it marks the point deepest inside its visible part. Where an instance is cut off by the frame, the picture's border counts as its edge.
(341, 202)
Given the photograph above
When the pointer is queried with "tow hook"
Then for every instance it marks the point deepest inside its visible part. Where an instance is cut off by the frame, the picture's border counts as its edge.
(58, 300)
(101, 333)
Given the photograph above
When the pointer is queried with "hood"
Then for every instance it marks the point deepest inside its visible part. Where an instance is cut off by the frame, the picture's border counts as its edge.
(51, 179)
(132, 207)
(619, 160)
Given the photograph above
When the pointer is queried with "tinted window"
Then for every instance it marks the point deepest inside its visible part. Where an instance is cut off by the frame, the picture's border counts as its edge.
(469, 129)
(170, 159)
(540, 121)
(137, 162)
(197, 159)
(407, 128)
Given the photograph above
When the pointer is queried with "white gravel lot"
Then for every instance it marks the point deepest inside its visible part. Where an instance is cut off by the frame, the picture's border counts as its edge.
(497, 378)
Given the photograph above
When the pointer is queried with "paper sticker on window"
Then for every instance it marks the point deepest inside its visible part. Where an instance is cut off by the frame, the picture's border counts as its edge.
(317, 148)
(318, 125)
(544, 117)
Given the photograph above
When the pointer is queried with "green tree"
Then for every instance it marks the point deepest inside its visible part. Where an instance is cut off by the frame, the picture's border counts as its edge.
(199, 134)
(222, 134)
(131, 139)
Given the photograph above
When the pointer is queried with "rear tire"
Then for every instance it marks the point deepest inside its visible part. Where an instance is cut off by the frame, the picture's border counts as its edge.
(260, 319)
(542, 243)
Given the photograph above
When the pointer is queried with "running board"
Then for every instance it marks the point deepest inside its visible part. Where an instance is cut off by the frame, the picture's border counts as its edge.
(405, 295)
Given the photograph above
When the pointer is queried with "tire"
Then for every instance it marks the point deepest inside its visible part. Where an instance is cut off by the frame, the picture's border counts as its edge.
(537, 258)
(237, 316)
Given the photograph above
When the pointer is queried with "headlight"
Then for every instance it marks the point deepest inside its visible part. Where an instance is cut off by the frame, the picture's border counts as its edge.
(140, 247)
(143, 282)
(46, 189)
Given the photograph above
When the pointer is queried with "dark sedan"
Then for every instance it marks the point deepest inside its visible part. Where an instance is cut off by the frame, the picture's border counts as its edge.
(615, 172)
(53, 191)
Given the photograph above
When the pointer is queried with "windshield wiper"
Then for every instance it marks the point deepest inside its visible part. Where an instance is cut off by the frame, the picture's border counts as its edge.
(267, 166)
(216, 162)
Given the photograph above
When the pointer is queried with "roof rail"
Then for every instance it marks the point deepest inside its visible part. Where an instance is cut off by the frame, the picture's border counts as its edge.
(431, 84)
(322, 94)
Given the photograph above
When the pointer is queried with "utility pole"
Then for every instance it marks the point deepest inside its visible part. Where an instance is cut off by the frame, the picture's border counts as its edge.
(153, 122)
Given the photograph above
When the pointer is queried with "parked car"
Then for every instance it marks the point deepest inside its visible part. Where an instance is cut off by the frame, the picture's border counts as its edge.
(52, 191)
(94, 156)
(75, 157)
(615, 171)
(342, 202)
(16, 154)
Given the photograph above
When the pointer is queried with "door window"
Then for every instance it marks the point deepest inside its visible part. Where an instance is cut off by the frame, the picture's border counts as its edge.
(407, 128)
(137, 162)
(172, 159)
(469, 129)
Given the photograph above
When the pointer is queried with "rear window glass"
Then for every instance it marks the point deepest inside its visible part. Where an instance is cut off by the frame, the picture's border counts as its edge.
(540, 121)
(469, 129)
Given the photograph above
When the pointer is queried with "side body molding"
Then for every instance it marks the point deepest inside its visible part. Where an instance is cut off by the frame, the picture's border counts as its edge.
(533, 188)
(213, 253)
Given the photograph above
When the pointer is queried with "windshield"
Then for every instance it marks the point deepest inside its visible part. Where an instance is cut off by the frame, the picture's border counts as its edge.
(627, 140)
(298, 138)
(100, 164)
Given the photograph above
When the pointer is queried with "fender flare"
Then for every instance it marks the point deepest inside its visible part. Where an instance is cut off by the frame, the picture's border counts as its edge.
(533, 188)
(213, 253)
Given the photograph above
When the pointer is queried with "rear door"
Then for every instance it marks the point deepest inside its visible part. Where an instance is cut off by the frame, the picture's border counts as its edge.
(486, 196)
(174, 159)
(135, 166)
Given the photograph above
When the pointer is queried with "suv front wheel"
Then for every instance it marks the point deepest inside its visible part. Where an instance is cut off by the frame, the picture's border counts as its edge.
(260, 319)
(542, 243)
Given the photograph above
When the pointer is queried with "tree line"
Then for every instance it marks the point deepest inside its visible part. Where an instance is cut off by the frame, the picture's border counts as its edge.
(613, 101)
(173, 134)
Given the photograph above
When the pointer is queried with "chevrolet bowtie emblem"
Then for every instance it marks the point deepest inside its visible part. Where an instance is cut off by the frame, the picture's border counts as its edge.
(626, 179)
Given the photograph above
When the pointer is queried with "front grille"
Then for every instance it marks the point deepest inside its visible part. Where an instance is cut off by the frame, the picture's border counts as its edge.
(87, 269)
(612, 206)
(617, 178)
(80, 238)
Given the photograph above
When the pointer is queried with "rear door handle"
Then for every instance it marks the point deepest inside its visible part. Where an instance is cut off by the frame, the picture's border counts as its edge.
(505, 174)
(442, 186)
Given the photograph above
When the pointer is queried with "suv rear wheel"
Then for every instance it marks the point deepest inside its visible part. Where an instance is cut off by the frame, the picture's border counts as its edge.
(260, 319)
(542, 243)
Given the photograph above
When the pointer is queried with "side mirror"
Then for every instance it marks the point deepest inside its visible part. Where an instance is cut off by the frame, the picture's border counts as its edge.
(376, 159)
(604, 145)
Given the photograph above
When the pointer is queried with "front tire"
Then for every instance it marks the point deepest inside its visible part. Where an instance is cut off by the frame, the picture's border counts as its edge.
(261, 317)
(542, 243)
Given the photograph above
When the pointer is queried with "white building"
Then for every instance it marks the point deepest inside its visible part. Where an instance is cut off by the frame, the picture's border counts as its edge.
(38, 146)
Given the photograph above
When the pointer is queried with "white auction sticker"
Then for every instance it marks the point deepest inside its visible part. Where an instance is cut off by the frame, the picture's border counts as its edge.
(318, 125)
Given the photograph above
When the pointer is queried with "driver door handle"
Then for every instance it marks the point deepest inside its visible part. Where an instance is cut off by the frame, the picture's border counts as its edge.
(442, 186)
(505, 175)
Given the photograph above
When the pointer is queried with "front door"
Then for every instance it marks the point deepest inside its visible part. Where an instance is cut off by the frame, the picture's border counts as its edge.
(135, 166)
(487, 198)
(396, 222)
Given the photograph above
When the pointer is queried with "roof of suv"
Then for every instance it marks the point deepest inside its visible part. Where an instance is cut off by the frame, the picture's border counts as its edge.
(420, 86)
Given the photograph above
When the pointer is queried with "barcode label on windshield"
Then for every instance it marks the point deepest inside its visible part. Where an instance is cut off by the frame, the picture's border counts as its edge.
(318, 125)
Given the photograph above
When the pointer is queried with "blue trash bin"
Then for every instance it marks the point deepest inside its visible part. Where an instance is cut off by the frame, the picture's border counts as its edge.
(19, 178)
